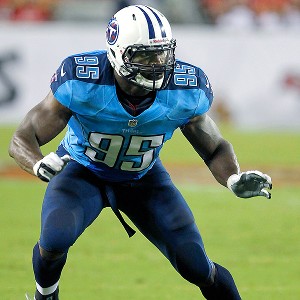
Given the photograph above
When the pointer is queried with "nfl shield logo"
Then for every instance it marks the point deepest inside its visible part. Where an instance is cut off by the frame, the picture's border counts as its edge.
(132, 123)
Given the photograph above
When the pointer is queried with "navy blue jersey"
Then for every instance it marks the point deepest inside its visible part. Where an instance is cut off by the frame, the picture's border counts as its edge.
(102, 135)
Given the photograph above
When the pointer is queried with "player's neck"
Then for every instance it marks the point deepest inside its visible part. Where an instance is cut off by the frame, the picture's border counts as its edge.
(129, 88)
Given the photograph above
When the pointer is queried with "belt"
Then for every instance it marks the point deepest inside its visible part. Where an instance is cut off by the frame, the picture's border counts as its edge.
(113, 204)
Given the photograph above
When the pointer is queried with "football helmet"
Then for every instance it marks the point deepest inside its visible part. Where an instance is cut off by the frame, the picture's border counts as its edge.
(140, 46)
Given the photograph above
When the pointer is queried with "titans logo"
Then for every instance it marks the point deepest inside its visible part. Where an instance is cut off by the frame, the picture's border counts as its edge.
(112, 31)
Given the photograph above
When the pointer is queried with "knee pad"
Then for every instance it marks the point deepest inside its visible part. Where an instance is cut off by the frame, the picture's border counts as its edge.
(193, 264)
(59, 230)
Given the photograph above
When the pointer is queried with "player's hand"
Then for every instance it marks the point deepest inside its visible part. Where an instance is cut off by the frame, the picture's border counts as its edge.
(50, 165)
(250, 184)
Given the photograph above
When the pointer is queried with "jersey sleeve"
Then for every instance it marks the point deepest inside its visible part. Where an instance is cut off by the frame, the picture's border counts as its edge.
(189, 93)
(206, 94)
(61, 82)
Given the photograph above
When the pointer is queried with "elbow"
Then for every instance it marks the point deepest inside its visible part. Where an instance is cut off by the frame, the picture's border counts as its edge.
(16, 145)
(12, 147)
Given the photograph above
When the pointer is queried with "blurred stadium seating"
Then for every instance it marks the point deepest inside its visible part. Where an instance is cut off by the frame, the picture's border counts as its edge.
(92, 10)
(253, 13)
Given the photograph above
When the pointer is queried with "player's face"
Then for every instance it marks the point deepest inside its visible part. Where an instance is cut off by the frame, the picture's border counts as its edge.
(153, 59)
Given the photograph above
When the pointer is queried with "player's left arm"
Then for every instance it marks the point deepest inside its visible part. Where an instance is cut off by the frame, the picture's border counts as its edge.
(217, 153)
(219, 156)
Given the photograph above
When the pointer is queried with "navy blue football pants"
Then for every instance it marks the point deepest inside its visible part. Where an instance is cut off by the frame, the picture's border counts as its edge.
(75, 198)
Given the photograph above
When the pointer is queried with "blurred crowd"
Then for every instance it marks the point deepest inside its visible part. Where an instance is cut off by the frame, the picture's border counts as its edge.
(27, 10)
(252, 13)
(225, 13)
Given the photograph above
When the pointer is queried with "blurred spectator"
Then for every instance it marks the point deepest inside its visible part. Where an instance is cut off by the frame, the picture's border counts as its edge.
(213, 9)
(291, 16)
(251, 13)
(32, 10)
(269, 12)
(237, 15)
(5, 9)
(228, 13)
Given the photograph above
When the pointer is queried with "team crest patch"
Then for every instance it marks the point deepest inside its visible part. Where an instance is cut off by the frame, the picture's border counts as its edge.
(132, 123)
(112, 31)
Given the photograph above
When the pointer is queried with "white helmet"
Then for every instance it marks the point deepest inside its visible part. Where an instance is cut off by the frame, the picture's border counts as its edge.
(141, 47)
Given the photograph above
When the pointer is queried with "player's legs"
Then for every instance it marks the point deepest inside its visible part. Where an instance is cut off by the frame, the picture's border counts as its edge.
(72, 201)
(160, 212)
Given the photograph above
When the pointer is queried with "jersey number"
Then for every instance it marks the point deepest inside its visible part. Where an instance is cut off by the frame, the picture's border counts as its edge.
(109, 146)
(87, 67)
(185, 75)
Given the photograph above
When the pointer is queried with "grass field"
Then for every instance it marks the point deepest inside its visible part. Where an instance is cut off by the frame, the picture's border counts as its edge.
(257, 239)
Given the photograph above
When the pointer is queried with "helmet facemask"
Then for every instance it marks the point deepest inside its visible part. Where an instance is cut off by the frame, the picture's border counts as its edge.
(150, 67)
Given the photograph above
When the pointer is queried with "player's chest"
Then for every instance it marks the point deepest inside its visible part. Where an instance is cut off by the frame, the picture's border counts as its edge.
(115, 119)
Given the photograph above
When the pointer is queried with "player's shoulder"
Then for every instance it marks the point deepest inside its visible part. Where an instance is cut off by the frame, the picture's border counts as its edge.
(87, 58)
(190, 80)
(189, 76)
(86, 67)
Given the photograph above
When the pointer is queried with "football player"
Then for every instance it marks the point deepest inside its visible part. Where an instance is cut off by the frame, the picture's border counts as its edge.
(120, 106)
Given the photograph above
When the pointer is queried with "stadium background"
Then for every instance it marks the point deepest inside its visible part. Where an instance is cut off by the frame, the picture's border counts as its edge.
(250, 51)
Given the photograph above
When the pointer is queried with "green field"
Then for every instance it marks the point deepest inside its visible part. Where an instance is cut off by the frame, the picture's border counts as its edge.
(257, 239)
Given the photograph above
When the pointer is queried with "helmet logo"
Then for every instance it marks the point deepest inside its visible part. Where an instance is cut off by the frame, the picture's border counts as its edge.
(112, 31)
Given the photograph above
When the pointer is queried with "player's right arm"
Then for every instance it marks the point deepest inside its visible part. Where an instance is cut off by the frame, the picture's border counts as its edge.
(41, 124)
